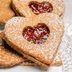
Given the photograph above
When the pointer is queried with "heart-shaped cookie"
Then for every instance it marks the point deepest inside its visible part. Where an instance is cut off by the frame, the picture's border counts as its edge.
(48, 33)
(5, 11)
(29, 8)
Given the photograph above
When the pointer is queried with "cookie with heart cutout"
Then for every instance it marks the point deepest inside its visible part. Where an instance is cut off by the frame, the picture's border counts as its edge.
(36, 38)
(5, 11)
(29, 8)
(9, 57)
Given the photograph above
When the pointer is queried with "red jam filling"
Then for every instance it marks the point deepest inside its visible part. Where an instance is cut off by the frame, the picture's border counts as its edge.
(42, 7)
(37, 34)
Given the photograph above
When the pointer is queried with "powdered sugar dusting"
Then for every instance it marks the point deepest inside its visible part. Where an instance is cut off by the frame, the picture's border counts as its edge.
(14, 20)
(43, 52)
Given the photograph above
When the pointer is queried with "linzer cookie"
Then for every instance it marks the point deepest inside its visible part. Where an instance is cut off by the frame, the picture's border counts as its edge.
(36, 38)
(29, 8)
(5, 11)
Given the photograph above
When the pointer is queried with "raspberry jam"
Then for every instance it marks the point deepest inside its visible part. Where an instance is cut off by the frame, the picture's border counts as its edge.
(37, 34)
(42, 7)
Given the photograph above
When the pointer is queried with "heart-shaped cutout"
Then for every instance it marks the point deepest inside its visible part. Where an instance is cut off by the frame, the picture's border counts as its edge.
(42, 7)
(37, 34)
(39, 53)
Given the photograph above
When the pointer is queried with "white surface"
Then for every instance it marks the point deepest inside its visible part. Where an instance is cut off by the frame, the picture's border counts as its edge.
(65, 47)
(30, 69)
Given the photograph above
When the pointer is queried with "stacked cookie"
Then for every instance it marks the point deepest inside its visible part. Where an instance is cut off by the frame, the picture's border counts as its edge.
(32, 34)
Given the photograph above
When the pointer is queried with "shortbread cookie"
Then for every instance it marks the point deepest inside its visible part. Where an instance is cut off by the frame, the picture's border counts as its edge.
(5, 11)
(36, 38)
(29, 8)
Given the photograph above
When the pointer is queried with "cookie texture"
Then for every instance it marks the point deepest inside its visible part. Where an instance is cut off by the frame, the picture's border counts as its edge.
(22, 7)
(5, 11)
(57, 60)
(41, 54)
(9, 57)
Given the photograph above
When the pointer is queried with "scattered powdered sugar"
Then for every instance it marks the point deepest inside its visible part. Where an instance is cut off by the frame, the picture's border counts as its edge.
(66, 49)
(14, 20)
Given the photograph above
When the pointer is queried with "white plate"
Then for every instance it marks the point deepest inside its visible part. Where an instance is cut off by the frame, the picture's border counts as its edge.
(65, 47)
